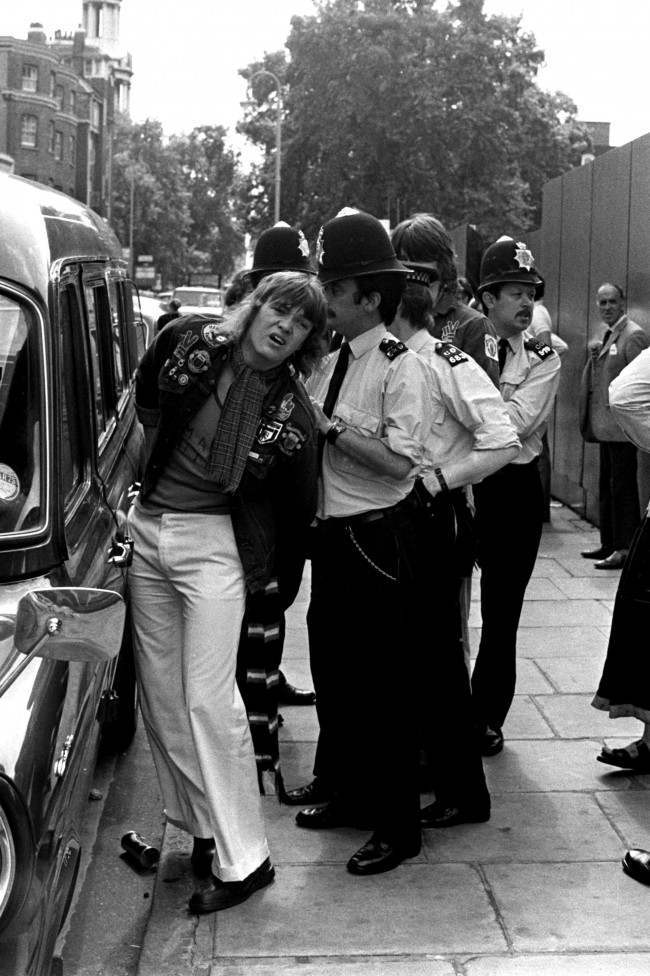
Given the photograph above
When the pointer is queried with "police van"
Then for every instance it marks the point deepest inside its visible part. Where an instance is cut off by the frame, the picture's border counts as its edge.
(70, 448)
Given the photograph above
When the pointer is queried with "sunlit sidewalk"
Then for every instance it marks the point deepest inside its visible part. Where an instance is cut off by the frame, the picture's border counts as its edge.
(537, 891)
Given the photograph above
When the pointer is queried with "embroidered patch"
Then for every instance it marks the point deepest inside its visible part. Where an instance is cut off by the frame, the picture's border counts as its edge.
(613, 351)
(268, 431)
(212, 333)
(198, 361)
(449, 329)
(184, 344)
(286, 408)
(392, 348)
(182, 379)
(491, 348)
(452, 354)
(540, 348)
(291, 440)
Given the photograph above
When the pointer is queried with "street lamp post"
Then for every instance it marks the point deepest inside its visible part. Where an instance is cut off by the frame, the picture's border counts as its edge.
(278, 138)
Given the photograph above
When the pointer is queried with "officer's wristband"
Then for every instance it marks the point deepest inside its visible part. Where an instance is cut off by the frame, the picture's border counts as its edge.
(441, 479)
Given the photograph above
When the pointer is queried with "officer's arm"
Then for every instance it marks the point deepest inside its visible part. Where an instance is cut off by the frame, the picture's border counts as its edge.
(629, 400)
(468, 470)
(532, 401)
(370, 451)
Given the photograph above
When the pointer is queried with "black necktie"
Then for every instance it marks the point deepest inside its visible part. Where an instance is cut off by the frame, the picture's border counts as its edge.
(337, 379)
(504, 345)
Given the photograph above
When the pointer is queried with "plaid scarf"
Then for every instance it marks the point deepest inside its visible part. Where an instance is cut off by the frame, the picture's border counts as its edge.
(238, 422)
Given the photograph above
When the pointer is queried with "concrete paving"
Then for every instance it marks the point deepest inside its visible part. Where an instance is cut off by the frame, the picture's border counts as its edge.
(536, 891)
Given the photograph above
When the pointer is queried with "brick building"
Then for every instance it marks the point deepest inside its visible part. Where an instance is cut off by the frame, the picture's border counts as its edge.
(58, 102)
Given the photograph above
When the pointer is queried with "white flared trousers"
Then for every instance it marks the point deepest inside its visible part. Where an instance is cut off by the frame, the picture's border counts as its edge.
(187, 601)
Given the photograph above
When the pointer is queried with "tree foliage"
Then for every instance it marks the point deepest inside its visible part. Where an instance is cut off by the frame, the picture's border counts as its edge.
(395, 106)
(183, 198)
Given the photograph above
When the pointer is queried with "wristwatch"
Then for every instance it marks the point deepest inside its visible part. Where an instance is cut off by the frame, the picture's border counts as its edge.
(334, 430)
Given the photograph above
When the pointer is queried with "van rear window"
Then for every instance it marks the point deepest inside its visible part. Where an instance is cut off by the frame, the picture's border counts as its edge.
(21, 402)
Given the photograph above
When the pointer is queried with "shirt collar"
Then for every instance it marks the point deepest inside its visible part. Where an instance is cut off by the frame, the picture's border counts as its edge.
(418, 340)
(363, 343)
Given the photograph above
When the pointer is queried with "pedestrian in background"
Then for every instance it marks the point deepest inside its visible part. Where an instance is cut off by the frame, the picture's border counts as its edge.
(619, 511)
(509, 504)
(167, 317)
(229, 490)
(624, 687)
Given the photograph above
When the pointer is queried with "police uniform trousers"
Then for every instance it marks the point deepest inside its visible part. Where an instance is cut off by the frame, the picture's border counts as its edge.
(509, 516)
(363, 661)
(186, 588)
(454, 765)
(618, 495)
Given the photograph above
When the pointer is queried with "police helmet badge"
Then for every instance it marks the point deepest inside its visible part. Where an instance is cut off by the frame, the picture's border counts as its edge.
(319, 247)
(286, 408)
(523, 256)
(303, 246)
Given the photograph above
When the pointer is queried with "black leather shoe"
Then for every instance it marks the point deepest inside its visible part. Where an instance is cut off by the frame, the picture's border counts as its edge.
(329, 816)
(615, 561)
(598, 553)
(378, 855)
(290, 695)
(314, 792)
(215, 895)
(440, 815)
(201, 857)
(636, 863)
(491, 742)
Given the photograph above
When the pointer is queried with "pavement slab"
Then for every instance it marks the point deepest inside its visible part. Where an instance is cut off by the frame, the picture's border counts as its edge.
(530, 827)
(573, 717)
(550, 765)
(552, 640)
(339, 966)
(551, 964)
(572, 675)
(319, 909)
(574, 906)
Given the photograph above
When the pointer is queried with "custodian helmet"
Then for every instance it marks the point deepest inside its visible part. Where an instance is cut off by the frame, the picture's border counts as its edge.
(509, 261)
(354, 244)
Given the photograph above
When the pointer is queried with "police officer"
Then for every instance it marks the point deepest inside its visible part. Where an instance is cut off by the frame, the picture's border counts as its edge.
(422, 242)
(471, 437)
(371, 401)
(510, 503)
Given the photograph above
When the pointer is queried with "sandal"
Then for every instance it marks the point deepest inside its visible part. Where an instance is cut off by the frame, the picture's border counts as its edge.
(625, 759)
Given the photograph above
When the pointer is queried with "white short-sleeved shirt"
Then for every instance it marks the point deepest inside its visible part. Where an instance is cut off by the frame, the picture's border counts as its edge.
(468, 412)
(529, 382)
(629, 400)
(381, 397)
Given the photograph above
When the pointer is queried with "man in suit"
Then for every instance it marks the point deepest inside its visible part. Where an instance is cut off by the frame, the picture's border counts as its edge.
(622, 341)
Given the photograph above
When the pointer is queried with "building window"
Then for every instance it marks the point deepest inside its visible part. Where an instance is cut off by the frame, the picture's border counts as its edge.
(95, 115)
(58, 96)
(52, 83)
(58, 145)
(28, 131)
(73, 102)
(88, 68)
(73, 150)
(30, 78)
(50, 137)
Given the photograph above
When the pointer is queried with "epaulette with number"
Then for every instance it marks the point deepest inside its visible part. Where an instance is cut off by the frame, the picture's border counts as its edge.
(451, 353)
(392, 348)
(540, 348)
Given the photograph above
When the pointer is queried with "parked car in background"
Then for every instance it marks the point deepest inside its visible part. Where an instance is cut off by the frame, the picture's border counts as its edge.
(199, 299)
(70, 448)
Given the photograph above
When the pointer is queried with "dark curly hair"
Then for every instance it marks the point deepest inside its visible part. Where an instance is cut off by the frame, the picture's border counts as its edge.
(297, 290)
